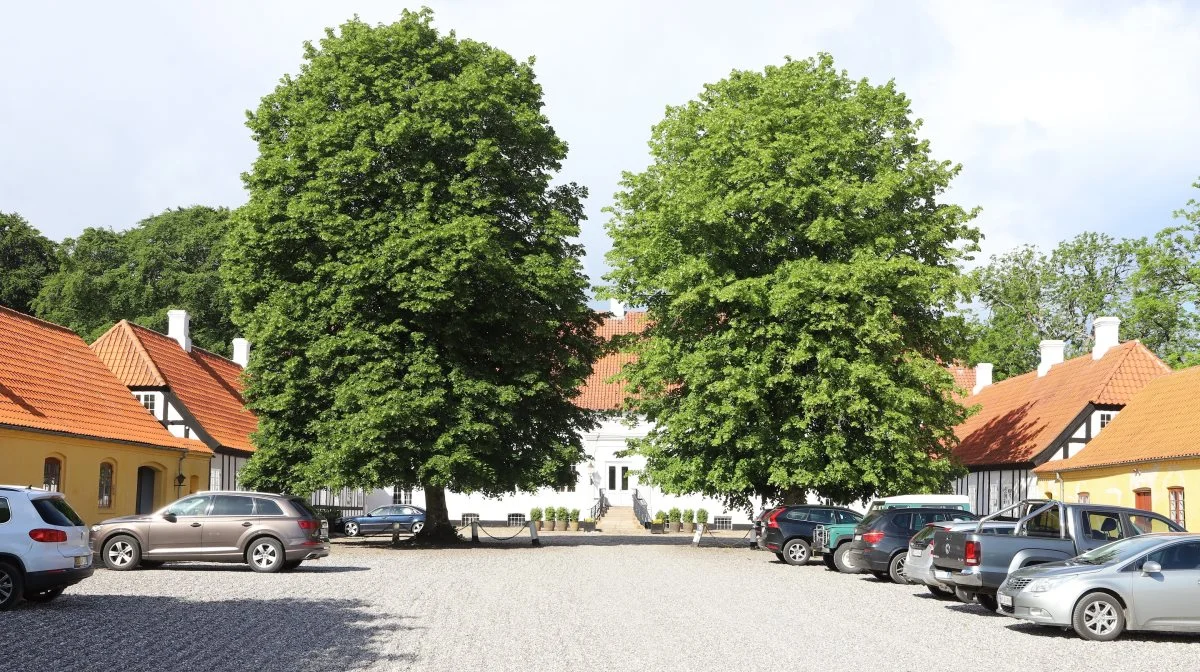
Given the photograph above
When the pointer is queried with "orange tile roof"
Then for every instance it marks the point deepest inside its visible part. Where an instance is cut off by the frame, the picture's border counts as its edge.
(964, 377)
(597, 393)
(209, 386)
(1021, 417)
(50, 380)
(1159, 423)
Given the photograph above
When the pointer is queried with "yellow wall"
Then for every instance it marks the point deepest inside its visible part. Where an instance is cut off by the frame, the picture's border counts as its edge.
(23, 455)
(1115, 485)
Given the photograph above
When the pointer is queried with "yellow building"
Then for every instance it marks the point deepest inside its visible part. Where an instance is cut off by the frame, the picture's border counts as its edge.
(1146, 458)
(68, 424)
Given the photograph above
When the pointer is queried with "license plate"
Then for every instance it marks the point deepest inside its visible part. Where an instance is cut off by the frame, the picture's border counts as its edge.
(858, 537)
(941, 574)
(1005, 600)
(917, 552)
(82, 561)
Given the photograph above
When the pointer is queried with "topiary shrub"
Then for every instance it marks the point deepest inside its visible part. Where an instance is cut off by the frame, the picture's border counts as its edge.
(689, 516)
(702, 516)
(561, 514)
(535, 514)
(674, 514)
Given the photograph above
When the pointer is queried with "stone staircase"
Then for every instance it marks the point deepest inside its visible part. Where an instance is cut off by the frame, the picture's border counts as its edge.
(620, 520)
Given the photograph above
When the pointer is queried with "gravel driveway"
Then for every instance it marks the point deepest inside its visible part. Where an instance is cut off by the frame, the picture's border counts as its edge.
(644, 603)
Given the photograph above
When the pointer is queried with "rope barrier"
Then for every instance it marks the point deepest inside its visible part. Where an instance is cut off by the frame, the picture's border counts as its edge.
(735, 544)
(484, 530)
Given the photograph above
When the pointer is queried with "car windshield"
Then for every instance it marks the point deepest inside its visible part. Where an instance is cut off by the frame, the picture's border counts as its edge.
(925, 533)
(872, 516)
(1118, 551)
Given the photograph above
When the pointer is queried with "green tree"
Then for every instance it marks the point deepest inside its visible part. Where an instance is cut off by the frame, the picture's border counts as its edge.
(405, 269)
(167, 261)
(799, 271)
(26, 258)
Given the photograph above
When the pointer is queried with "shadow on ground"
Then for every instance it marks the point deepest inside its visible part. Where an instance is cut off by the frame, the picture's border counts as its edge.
(1053, 632)
(97, 632)
(502, 538)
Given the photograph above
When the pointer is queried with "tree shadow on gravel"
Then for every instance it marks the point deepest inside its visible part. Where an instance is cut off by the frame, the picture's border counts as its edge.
(523, 541)
(143, 633)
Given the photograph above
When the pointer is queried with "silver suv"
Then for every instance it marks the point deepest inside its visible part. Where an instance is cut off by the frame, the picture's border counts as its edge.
(43, 546)
(266, 531)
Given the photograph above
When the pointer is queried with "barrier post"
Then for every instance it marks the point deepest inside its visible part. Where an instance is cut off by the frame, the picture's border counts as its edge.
(699, 532)
(395, 534)
(533, 533)
(474, 532)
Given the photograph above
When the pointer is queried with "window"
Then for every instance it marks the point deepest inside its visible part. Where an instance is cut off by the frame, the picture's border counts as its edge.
(566, 488)
(56, 511)
(191, 506)
(1045, 525)
(1084, 498)
(847, 518)
(902, 521)
(624, 478)
(381, 511)
(401, 495)
(516, 519)
(148, 401)
(612, 478)
(266, 507)
(5, 514)
(403, 511)
(1175, 506)
(723, 522)
(797, 514)
(823, 516)
(1149, 524)
(1141, 499)
(232, 505)
(214, 480)
(106, 482)
(52, 474)
(1102, 526)
(468, 518)
(1105, 418)
(1178, 557)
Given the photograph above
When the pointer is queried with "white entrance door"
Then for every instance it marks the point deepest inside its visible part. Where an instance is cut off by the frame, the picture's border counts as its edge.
(619, 483)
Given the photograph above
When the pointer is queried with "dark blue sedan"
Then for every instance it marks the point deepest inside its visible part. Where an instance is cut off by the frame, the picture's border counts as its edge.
(411, 519)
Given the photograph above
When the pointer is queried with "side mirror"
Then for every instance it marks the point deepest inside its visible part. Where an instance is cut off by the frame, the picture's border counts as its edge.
(1151, 567)
(170, 517)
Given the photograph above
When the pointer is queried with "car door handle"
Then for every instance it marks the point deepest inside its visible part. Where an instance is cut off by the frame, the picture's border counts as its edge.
(247, 524)
(195, 524)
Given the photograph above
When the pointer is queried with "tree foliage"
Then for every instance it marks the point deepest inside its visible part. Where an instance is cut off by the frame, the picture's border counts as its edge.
(168, 261)
(405, 270)
(26, 258)
(800, 275)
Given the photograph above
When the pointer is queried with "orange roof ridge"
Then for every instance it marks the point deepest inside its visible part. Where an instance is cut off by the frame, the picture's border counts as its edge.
(38, 320)
(122, 333)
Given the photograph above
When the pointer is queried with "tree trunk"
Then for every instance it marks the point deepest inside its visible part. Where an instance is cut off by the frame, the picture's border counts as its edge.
(437, 517)
(795, 495)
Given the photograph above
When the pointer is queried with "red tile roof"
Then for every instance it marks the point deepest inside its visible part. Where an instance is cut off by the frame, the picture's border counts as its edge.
(1021, 417)
(209, 386)
(1159, 423)
(598, 394)
(964, 377)
(50, 380)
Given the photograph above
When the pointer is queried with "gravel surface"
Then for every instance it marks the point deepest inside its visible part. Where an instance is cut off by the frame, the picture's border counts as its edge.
(579, 602)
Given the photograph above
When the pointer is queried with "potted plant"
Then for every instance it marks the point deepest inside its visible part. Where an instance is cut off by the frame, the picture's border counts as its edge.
(535, 514)
(689, 520)
(675, 518)
(659, 525)
(702, 516)
(588, 525)
(551, 512)
(573, 516)
(562, 516)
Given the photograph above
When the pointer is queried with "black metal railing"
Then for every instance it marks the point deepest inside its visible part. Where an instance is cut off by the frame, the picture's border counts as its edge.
(599, 508)
(639, 508)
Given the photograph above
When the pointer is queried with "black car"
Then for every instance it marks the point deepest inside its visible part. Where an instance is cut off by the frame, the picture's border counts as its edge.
(787, 530)
(881, 540)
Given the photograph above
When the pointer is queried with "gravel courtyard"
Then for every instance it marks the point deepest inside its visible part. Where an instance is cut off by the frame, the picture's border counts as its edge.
(637, 603)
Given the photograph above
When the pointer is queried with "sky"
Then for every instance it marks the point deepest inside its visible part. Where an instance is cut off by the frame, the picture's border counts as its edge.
(1066, 117)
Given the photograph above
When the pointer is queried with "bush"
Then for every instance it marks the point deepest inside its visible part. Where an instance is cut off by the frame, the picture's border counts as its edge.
(328, 514)
(589, 520)
(550, 511)
(562, 513)
(674, 514)
(660, 517)
(702, 516)
(689, 516)
(535, 514)
(573, 515)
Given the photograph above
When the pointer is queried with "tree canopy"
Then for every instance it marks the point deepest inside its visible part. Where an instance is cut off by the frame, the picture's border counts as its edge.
(168, 261)
(800, 276)
(26, 257)
(405, 270)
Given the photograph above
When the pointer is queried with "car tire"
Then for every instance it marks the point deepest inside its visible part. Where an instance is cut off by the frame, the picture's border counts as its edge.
(418, 526)
(12, 584)
(941, 593)
(964, 596)
(896, 569)
(352, 529)
(265, 555)
(827, 558)
(882, 576)
(291, 564)
(841, 558)
(796, 552)
(45, 595)
(121, 553)
(988, 602)
(1098, 617)
(780, 556)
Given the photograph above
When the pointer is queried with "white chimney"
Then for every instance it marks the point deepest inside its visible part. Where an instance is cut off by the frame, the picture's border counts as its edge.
(616, 308)
(1107, 332)
(179, 328)
(241, 352)
(1052, 353)
(983, 376)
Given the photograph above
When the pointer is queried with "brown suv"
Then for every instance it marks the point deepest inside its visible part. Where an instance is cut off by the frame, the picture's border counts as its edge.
(268, 532)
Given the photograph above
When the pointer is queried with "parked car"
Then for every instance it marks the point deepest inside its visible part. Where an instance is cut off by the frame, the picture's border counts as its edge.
(918, 566)
(1144, 582)
(976, 564)
(788, 530)
(269, 532)
(881, 540)
(411, 519)
(833, 541)
(43, 546)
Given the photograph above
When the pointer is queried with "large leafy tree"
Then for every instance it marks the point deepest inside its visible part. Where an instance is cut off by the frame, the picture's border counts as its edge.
(405, 270)
(800, 273)
(167, 261)
(26, 258)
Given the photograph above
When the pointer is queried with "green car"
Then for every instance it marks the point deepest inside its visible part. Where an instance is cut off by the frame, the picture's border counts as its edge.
(833, 541)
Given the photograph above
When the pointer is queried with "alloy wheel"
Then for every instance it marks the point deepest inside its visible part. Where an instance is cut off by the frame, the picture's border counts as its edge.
(6, 586)
(417, 527)
(264, 555)
(1099, 618)
(351, 529)
(120, 553)
(797, 552)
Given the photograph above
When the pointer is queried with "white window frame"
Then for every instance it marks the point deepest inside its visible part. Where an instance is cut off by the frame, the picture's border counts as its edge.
(1175, 505)
(722, 522)
(516, 520)
(1106, 418)
(468, 518)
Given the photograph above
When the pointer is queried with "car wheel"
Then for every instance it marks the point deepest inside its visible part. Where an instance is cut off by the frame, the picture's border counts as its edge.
(291, 564)
(987, 601)
(827, 558)
(1098, 617)
(265, 555)
(418, 526)
(841, 558)
(352, 529)
(45, 595)
(11, 584)
(896, 569)
(964, 596)
(121, 553)
(796, 552)
(780, 556)
(941, 593)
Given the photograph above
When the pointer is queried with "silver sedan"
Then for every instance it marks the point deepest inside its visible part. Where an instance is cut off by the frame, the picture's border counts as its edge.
(1147, 582)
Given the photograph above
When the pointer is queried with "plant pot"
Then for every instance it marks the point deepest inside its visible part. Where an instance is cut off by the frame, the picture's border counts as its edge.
(540, 524)
(550, 525)
(589, 527)
(689, 527)
(573, 526)
(657, 528)
(678, 526)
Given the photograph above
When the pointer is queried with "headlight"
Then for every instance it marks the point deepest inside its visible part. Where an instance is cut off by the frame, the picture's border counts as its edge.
(1043, 585)
(95, 528)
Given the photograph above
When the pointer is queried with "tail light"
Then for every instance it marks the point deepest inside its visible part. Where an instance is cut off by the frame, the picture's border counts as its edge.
(309, 524)
(48, 536)
(771, 522)
(872, 537)
(972, 553)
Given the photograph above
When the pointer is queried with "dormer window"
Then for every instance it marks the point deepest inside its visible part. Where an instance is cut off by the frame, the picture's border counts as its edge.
(1105, 418)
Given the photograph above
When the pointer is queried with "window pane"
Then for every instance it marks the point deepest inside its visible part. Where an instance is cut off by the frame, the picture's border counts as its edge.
(56, 511)
(381, 511)
(5, 514)
(191, 506)
(823, 516)
(1178, 557)
(797, 514)
(1102, 526)
(902, 521)
(52, 474)
(1149, 524)
(267, 507)
(232, 505)
(105, 494)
